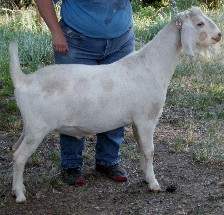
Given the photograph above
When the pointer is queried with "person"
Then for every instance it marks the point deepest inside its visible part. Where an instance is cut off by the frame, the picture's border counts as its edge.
(91, 32)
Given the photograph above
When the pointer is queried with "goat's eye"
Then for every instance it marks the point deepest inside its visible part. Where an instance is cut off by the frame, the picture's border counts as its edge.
(200, 24)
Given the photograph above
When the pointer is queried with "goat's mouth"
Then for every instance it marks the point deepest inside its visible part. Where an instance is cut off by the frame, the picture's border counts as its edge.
(216, 39)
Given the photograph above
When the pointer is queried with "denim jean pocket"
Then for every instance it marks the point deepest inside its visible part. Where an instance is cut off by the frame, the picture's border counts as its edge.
(70, 32)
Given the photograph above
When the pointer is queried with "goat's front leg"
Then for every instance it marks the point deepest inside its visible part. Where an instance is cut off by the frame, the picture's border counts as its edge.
(144, 135)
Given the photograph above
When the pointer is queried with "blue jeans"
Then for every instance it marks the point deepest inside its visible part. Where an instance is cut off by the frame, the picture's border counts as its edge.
(93, 51)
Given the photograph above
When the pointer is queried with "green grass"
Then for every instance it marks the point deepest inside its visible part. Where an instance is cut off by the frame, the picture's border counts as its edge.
(195, 98)
(34, 51)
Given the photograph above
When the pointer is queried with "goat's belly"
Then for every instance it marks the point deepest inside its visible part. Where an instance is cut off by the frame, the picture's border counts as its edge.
(91, 128)
(75, 131)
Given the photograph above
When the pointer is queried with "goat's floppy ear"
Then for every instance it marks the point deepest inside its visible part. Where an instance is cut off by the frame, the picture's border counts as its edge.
(188, 36)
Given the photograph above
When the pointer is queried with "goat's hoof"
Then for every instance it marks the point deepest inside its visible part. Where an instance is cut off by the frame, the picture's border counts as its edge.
(20, 198)
(155, 188)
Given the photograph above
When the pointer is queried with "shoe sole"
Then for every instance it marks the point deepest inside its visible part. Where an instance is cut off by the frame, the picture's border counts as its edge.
(80, 181)
(118, 179)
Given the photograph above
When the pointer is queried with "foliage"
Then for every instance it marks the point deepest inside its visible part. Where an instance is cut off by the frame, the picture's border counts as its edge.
(195, 95)
(212, 4)
(182, 5)
(13, 4)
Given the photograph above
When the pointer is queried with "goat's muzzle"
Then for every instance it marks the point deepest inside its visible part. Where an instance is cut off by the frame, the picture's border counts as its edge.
(218, 37)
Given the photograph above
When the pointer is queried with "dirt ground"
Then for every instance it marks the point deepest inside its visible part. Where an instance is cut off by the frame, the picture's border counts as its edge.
(188, 187)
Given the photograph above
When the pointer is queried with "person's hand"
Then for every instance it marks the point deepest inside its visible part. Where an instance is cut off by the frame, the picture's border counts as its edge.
(59, 42)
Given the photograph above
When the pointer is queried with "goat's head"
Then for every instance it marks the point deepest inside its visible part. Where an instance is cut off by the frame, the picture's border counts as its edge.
(198, 31)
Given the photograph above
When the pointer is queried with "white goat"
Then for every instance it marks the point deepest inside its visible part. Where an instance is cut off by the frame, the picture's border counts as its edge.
(79, 100)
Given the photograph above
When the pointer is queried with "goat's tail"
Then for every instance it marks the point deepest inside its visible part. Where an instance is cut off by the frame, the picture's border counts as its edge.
(14, 67)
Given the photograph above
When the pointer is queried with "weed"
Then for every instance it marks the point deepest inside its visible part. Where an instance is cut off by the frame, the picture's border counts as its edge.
(35, 159)
(55, 157)
(208, 152)
(179, 145)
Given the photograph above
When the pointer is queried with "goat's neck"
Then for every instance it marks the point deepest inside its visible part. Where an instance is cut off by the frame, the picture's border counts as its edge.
(161, 55)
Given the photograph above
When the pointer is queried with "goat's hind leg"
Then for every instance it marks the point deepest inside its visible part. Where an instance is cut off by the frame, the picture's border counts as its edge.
(144, 135)
(18, 143)
(20, 156)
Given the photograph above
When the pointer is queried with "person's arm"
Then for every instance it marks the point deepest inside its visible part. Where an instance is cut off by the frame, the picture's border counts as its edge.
(47, 12)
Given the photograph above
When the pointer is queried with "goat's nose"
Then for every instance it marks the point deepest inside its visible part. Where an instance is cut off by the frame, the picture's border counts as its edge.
(218, 37)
